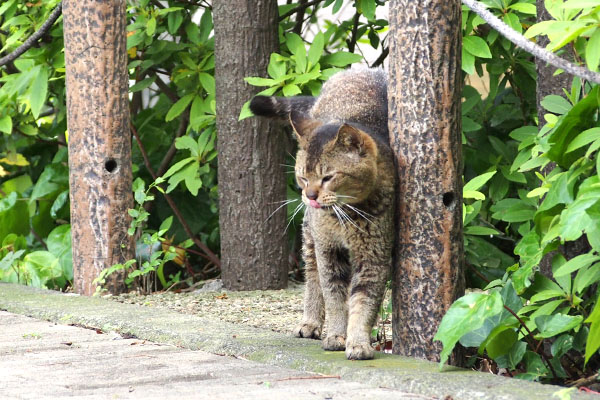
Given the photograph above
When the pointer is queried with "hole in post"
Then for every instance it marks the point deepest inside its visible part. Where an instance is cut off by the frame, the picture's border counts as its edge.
(448, 199)
(110, 165)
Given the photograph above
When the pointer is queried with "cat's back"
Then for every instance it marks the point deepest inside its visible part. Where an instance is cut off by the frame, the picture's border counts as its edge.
(356, 95)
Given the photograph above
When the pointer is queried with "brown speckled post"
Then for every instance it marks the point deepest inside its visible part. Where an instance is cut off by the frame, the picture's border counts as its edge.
(99, 139)
(424, 119)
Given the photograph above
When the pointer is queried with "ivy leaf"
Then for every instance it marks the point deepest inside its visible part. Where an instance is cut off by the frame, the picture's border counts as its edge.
(552, 325)
(476, 46)
(466, 314)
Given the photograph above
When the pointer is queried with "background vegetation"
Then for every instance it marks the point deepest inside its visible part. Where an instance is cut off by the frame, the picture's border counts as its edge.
(532, 189)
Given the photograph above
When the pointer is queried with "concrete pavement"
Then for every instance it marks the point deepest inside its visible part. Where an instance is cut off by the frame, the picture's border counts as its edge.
(173, 354)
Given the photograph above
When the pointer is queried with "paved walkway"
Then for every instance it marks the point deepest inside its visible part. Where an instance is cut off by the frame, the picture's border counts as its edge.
(167, 354)
(43, 360)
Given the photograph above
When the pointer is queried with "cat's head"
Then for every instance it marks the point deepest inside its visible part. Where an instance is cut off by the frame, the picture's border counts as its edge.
(336, 163)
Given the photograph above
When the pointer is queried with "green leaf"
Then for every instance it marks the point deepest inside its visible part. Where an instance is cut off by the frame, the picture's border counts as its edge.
(208, 82)
(178, 166)
(179, 107)
(6, 124)
(552, 325)
(38, 92)
(186, 142)
(584, 138)
(524, 8)
(581, 261)
(291, 90)
(473, 194)
(143, 84)
(593, 339)
(367, 7)
(59, 244)
(592, 51)
(579, 118)
(277, 67)
(341, 58)
(466, 314)
(580, 4)
(501, 343)
(480, 230)
(476, 46)
(477, 182)
(556, 104)
(151, 26)
(467, 62)
(316, 49)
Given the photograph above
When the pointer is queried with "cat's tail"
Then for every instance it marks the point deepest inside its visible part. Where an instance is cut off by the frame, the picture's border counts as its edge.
(280, 107)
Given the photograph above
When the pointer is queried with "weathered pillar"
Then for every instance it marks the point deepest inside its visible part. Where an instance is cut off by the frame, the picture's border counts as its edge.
(254, 247)
(425, 134)
(99, 139)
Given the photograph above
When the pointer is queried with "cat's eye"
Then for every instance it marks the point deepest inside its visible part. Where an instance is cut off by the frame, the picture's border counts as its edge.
(326, 178)
(303, 180)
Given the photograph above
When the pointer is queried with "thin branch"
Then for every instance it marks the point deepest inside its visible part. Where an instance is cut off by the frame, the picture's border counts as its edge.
(166, 89)
(33, 38)
(212, 257)
(381, 58)
(353, 37)
(529, 46)
(299, 18)
(300, 7)
(166, 161)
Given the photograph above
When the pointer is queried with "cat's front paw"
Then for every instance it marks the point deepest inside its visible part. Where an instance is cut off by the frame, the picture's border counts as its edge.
(334, 343)
(359, 351)
(308, 330)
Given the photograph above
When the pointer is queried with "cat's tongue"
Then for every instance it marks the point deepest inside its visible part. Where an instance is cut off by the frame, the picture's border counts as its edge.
(314, 203)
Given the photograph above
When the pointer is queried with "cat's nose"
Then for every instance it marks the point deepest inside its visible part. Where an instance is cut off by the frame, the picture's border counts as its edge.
(312, 194)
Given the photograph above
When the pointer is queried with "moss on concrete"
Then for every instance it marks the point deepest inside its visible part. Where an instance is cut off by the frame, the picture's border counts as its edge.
(160, 325)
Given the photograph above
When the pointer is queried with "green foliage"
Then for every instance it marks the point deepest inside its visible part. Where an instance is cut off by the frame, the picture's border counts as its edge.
(531, 194)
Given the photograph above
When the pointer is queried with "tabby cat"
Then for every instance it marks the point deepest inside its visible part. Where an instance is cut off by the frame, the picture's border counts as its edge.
(345, 168)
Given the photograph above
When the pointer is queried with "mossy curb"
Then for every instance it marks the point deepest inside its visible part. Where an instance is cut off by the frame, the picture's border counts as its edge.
(188, 331)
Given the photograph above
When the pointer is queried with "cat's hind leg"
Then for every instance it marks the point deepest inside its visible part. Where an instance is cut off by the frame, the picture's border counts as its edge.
(314, 311)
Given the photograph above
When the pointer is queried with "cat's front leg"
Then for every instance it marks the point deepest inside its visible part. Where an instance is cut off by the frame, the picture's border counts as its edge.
(334, 273)
(312, 320)
(366, 293)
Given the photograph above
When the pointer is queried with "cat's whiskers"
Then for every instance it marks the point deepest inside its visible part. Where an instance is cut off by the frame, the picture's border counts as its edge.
(336, 209)
(360, 212)
(347, 218)
(296, 211)
(346, 196)
(285, 203)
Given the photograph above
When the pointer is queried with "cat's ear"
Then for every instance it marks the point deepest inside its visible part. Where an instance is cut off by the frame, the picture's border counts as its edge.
(303, 126)
(355, 139)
